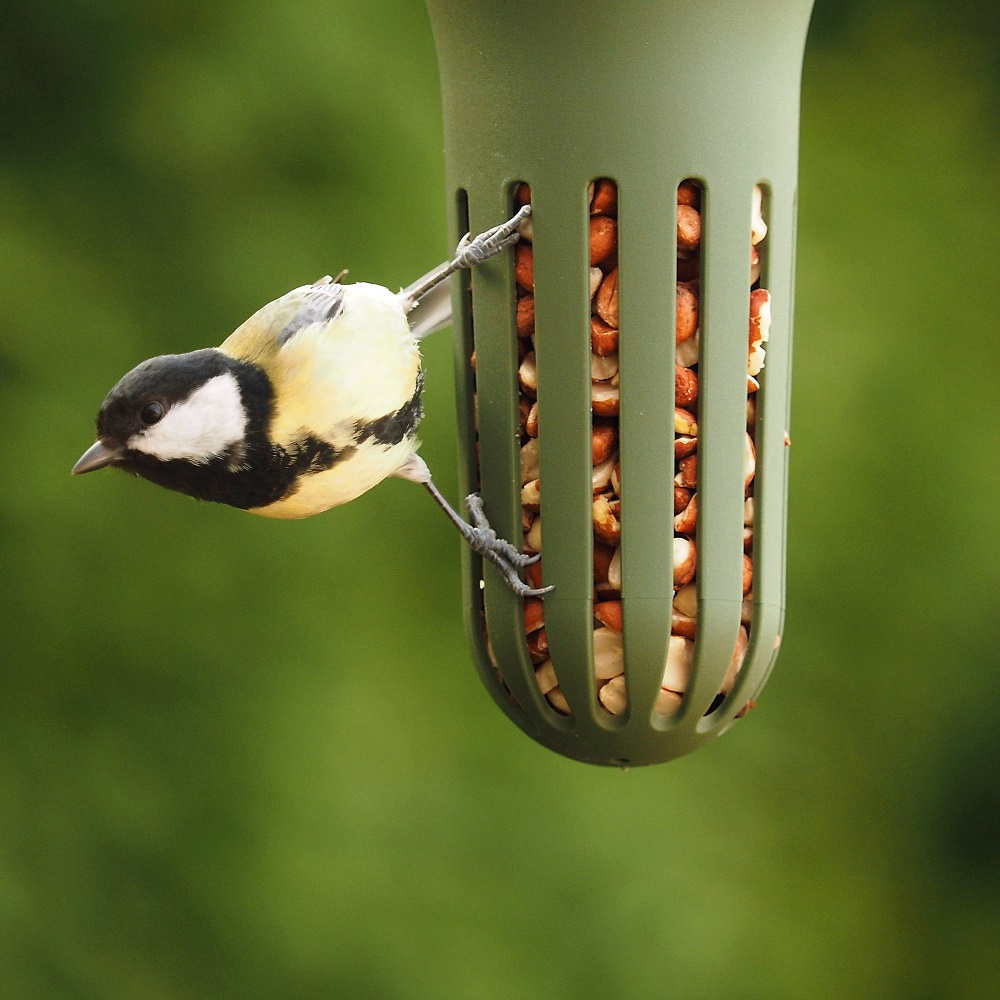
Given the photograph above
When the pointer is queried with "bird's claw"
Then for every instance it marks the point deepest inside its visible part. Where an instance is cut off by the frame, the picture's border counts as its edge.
(507, 559)
(471, 252)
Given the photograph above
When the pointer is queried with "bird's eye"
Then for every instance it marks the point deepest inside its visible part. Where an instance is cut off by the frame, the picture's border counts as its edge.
(152, 413)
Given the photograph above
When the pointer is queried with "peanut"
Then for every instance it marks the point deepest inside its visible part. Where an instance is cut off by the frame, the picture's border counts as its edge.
(687, 311)
(686, 522)
(524, 267)
(689, 193)
(603, 338)
(604, 200)
(526, 316)
(531, 420)
(604, 440)
(603, 238)
(609, 614)
(606, 302)
(685, 387)
(688, 229)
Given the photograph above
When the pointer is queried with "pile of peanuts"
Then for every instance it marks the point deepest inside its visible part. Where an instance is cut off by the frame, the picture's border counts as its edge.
(607, 506)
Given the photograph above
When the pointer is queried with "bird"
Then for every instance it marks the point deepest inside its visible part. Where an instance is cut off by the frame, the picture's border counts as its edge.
(308, 404)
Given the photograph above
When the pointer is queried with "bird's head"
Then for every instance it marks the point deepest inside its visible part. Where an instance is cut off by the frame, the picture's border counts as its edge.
(181, 420)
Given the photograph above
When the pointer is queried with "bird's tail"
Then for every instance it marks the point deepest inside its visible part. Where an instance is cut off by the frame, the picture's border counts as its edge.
(432, 311)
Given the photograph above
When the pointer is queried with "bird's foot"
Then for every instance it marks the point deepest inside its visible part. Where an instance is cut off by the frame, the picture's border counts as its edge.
(507, 559)
(471, 252)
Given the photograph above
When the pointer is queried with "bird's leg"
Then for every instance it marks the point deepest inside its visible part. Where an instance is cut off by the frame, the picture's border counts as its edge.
(468, 254)
(486, 542)
(479, 535)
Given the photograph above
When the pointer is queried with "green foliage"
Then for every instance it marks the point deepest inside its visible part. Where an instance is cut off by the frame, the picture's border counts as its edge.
(250, 759)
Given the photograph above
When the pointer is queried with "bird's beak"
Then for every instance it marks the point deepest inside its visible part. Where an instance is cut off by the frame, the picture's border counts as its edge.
(97, 456)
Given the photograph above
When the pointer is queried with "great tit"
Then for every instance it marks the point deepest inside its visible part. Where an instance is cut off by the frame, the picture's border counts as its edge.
(311, 402)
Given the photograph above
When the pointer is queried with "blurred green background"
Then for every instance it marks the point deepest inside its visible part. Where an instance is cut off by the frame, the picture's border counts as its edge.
(242, 758)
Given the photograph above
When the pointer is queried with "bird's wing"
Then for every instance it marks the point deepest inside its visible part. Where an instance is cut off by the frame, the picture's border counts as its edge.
(321, 302)
(274, 325)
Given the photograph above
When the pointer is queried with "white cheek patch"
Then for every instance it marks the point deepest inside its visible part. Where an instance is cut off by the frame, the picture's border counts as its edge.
(200, 428)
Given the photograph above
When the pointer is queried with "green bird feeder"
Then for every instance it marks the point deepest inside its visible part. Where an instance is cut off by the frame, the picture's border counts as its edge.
(624, 118)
